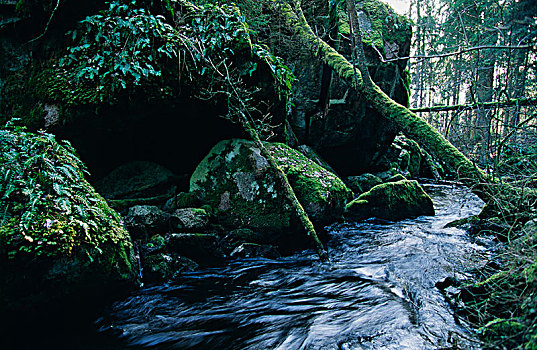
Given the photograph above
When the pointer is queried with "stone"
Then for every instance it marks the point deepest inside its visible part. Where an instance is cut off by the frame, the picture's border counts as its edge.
(189, 219)
(235, 179)
(391, 201)
(396, 177)
(182, 200)
(139, 179)
(342, 128)
(162, 267)
(200, 247)
(403, 156)
(253, 250)
(362, 183)
(143, 221)
(314, 156)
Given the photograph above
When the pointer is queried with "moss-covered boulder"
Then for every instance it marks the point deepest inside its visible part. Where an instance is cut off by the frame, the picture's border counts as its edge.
(59, 240)
(391, 201)
(235, 179)
(362, 183)
(189, 219)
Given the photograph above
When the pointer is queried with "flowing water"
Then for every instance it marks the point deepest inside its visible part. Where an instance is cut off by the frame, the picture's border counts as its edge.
(377, 292)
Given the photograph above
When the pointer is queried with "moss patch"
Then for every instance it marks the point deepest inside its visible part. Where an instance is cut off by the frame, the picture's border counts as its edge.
(392, 201)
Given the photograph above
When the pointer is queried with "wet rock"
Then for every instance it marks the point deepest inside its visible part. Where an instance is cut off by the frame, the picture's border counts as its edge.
(143, 221)
(138, 179)
(156, 244)
(253, 250)
(362, 183)
(396, 177)
(404, 156)
(235, 179)
(391, 201)
(385, 175)
(190, 219)
(182, 200)
(202, 248)
(162, 267)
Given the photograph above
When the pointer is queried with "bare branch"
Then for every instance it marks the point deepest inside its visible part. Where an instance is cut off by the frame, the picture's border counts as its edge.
(478, 105)
(469, 49)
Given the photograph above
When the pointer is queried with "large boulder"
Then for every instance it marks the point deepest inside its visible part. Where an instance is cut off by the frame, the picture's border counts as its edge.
(391, 201)
(59, 241)
(362, 183)
(235, 179)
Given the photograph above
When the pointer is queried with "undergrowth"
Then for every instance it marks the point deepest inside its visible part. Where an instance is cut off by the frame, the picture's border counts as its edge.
(47, 208)
(502, 305)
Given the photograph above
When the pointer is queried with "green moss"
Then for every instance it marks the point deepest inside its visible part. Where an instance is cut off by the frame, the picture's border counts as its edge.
(25, 95)
(54, 227)
(384, 25)
(392, 201)
(235, 180)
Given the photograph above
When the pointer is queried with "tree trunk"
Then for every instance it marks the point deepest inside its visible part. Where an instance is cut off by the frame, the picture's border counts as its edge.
(410, 124)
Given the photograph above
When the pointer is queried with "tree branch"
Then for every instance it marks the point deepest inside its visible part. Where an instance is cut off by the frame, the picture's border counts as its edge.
(478, 105)
(442, 55)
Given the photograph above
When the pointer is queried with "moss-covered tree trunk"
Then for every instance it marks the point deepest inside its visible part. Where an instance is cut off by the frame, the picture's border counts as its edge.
(409, 123)
(288, 191)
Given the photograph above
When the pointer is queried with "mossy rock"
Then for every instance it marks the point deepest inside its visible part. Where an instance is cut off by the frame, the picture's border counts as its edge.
(362, 183)
(189, 220)
(392, 201)
(144, 221)
(59, 240)
(162, 267)
(396, 177)
(235, 179)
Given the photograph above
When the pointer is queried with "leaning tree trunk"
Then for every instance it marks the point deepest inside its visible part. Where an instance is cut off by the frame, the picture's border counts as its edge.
(409, 123)
(281, 177)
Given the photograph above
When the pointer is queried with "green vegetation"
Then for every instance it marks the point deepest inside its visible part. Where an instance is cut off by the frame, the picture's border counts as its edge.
(123, 46)
(50, 213)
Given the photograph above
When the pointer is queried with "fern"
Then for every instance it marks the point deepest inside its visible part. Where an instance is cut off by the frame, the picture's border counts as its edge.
(46, 205)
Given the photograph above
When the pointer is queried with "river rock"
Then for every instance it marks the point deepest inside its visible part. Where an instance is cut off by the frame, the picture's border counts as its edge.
(341, 126)
(396, 177)
(235, 179)
(200, 247)
(253, 250)
(189, 219)
(162, 267)
(138, 179)
(182, 200)
(362, 183)
(391, 201)
(147, 220)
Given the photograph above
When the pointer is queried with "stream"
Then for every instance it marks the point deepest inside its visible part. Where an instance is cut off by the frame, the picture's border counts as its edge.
(377, 292)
